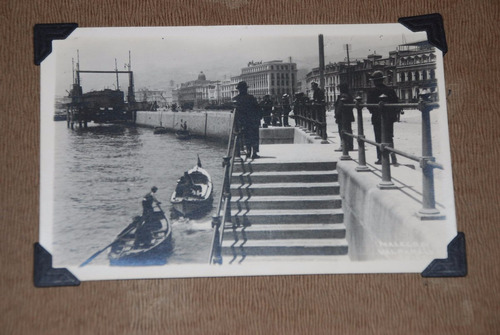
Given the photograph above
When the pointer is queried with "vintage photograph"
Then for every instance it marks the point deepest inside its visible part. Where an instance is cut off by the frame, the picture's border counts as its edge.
(244, 150)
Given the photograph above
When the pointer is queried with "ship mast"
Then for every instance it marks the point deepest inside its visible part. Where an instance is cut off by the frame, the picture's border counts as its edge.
(117, 82)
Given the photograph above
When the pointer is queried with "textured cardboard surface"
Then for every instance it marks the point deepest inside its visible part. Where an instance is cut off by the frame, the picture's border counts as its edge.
(327, 304)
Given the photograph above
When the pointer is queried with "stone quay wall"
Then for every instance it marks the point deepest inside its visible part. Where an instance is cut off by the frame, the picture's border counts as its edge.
(212, 124)
(217, 124)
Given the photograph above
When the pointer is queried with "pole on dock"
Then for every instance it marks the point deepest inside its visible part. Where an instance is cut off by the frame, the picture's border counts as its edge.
(428, 210)
(117, 83)
(321, 62)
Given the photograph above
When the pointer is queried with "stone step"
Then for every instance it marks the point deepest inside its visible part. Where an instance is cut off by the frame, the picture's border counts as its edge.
(283, 217)
(262, 165)
(303, 189)
(295, 247)
(284, 177)
(287, 202)
(288, 260)
(290, 231)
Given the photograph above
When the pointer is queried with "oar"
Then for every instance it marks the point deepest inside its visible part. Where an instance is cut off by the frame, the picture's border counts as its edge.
(91, 258)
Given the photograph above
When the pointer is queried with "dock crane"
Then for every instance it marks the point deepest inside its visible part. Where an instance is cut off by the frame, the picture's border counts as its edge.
(106, 106)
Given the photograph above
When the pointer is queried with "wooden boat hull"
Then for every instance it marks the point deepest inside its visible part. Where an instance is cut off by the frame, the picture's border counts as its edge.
(160, 130)
(193, 208)
(198, 203)
(183, 134)
(127, 251)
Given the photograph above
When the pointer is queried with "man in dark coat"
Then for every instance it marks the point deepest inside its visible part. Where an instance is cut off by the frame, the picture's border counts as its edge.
(247, 118)
(390, 116)
(148, 201)
(285, 103)
(319, 106)
(266, 106)
(148, 222)
(346, 124)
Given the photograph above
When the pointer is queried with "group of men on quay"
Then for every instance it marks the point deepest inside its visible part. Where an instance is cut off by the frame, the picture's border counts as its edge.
(250, 113)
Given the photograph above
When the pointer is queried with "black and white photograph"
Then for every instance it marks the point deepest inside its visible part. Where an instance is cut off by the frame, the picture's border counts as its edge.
(214, 151)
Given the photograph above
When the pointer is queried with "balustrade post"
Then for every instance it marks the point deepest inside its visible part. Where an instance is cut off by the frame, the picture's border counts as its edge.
(324, 135)
(227, 187)
(361, 136)
(428, 210)
(343, 137)
(217, 257)
(310, 113)
(386, 182)
(301, 115)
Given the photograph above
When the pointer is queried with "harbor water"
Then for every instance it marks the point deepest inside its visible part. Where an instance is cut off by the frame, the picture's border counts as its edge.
(101, 175)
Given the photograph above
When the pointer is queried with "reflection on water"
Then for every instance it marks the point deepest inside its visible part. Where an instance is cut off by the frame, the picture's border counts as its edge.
(101, 175)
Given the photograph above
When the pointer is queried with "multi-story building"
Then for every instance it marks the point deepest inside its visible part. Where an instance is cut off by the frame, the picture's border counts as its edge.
(228, 89)
(416, 71)
(197, 93)
(409, 70)
(274, 78)
(160, 97)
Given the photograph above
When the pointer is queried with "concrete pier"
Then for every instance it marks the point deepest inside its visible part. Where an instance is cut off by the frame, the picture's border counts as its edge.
(306, 204)
(301, 196)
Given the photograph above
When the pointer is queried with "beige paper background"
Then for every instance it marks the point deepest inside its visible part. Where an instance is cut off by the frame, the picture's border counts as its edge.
(321, 304)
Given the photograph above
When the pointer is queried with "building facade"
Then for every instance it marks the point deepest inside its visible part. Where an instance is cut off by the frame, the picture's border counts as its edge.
(160, 97)
(274, 78)
(409, 70)
(197, 93)
(416, 71)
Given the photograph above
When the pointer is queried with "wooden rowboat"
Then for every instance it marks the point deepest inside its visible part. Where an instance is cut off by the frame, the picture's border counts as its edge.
(183, 134)
(143, 242)
(196, 200)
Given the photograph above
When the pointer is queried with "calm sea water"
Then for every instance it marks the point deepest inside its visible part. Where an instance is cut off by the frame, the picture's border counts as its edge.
(103, 172)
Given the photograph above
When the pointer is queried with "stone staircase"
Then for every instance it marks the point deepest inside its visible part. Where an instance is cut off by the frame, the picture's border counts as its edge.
(284, 211)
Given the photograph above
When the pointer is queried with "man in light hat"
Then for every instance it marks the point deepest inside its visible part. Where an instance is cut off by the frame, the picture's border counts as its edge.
(247, 118)
(374, 97)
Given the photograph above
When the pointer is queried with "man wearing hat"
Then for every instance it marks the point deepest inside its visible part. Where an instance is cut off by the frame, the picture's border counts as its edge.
(247, 119)
(374, 97)
(340, 113)
(148, 201)
(147, 224)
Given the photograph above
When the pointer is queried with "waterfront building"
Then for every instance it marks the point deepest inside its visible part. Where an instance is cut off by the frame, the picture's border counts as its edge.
(197, 93)
(161, 97)
(415, 71)
(409, 70)
(228, 89)
(273, 77)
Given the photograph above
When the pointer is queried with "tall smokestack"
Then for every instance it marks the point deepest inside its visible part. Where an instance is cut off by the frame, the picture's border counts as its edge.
(321, 62)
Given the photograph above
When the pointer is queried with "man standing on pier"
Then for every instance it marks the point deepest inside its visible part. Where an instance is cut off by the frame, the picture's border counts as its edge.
(247, 119)
(319, 114)
(344, 117)
(267, 107)
(390, 116)
(286, 109)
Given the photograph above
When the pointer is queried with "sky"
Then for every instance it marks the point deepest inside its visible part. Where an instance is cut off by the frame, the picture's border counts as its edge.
(162, 54)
